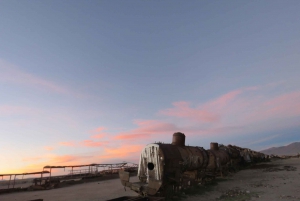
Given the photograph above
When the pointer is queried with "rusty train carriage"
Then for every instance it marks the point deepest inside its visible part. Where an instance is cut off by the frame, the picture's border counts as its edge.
(171, 167)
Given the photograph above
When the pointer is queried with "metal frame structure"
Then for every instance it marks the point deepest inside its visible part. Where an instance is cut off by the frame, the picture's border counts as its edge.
(92, 171)
(17, 174)
(111, 167)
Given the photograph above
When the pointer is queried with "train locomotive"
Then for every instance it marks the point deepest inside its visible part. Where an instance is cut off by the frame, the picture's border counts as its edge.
(165, 168)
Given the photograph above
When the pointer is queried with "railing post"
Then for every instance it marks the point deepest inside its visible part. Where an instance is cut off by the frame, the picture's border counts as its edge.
(9, 181)
(14, 181)
(50, 176)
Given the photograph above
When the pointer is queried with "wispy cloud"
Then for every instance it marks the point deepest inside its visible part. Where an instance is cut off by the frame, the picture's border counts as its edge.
(10, 110)
(183, 110)
(49, 148)
(67, 144)
(66, 159)
(98, 130)
(129, 136)
(12, 74)
(122, 152)
(238, 111)
(98, 133)
(36, 163)
(146, 128)
(31, 159)
(91, 143)
(84, 143)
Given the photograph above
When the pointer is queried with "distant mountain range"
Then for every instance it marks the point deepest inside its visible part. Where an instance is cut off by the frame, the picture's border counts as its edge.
(290, 149)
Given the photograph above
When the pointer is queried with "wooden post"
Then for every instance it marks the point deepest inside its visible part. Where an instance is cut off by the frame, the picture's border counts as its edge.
(9, 181)
(14, 181)
(50, 176)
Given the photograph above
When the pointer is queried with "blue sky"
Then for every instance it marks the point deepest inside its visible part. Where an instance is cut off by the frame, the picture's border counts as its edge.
(95, 81)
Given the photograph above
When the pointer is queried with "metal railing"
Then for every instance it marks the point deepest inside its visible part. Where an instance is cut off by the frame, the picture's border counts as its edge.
(83, 171)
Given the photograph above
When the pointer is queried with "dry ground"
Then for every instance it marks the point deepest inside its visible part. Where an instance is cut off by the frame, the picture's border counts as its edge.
(91, 191)
(263, 182)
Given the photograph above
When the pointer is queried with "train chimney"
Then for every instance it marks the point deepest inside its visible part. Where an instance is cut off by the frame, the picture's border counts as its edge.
(214, 146)
(178, 139)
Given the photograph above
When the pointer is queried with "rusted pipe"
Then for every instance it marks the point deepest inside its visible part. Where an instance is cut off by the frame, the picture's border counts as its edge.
(214, 146)
(178, 139)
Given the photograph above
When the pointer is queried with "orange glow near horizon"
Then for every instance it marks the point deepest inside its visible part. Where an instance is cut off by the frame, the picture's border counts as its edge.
(234, 106)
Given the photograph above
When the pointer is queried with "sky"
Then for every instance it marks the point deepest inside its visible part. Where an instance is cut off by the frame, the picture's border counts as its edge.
(95, 81)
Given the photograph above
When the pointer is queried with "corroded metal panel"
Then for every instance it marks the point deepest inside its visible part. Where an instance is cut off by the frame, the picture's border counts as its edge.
(124, 177)
(151, 163)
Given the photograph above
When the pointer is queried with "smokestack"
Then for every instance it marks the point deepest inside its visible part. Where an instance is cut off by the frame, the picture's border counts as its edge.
(178, 139)
(214, 146)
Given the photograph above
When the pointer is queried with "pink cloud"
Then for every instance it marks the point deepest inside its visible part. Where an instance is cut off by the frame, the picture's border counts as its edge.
(224, 100)
(98, 130)
(65, 159)
(243, 108)
(98, 136)
(37, 163)
(98, 133)
(183, 110)
(131, 136)
(32, 159)
(91, 143)
(123, 151)
(48, 148)
(282, 106)
(147, 128)
(67, 144)
(209, 112)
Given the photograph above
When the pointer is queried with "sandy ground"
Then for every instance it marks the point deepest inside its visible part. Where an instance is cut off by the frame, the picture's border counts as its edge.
(265, 182)
(91, 191)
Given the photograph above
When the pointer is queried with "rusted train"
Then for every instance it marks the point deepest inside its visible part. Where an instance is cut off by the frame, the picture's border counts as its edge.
(165, 168)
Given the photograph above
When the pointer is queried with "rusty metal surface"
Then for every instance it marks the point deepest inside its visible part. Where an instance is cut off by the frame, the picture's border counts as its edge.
(151, 163)
(178, 139)
(214, 146)
(26, 173)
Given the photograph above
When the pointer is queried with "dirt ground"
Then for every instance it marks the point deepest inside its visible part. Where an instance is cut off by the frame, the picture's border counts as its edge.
(276, 180)
(91, 191)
